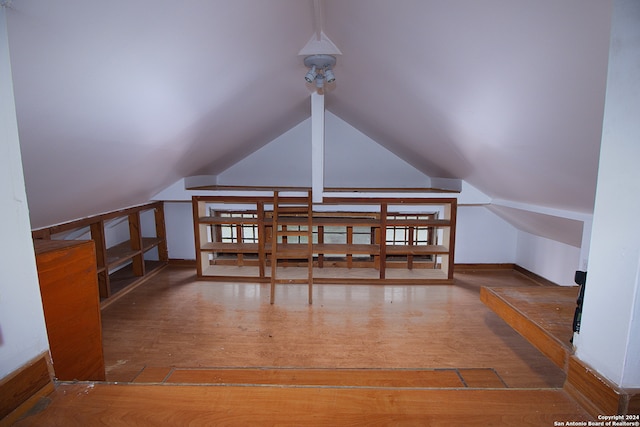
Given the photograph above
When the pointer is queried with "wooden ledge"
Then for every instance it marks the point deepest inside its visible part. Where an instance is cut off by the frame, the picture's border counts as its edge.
(543, 315)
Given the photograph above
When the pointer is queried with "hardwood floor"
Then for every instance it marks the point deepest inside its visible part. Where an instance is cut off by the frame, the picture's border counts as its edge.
(177, 321)
(205, 353)
(151, 405)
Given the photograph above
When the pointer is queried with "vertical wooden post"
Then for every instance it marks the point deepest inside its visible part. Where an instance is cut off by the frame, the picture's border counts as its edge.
(320, 242)
(375, 240)
(97, 235)
(449, 237)
(199, 210)
(349, 242)
(135, 235)
(383, 239)
(161, 232)
(240, 240)
(261, 239)
(274, 247)
(310, 245)
(410, 242)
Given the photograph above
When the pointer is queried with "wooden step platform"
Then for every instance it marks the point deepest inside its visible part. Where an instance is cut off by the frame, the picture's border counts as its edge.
(388, 378)
(84, 404)
(542, 314)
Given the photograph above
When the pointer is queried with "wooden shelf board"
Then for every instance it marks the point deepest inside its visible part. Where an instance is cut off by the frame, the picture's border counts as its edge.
(226, 220)
(243, 272)
(331, 275)
(416, 249)
(44, 245)
(346, 221)
(360, 249)
(295, 251)
(419, 222)
(361, 222)
(119, 254)
(150, 243)
(124, 277)
(244, 248)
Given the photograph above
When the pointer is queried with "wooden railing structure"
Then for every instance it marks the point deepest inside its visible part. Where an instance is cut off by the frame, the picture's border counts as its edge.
(234, 239)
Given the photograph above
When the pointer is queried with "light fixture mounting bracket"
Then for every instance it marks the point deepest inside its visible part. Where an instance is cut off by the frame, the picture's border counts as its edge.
(320, 61)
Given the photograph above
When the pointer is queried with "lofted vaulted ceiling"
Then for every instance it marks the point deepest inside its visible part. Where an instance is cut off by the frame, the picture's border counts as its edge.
(118, 99)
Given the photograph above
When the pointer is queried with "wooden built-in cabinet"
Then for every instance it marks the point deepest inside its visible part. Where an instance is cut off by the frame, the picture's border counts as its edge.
(355, 240)
(69, 291)
(129, 244)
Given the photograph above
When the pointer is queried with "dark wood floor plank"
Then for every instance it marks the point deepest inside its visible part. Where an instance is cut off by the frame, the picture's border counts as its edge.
(322, 377)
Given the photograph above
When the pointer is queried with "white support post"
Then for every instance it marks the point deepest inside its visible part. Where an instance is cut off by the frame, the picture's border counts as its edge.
(609, 339)
(317, 146)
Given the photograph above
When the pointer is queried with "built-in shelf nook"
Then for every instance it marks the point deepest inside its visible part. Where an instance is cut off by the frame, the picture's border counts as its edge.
(130, 244)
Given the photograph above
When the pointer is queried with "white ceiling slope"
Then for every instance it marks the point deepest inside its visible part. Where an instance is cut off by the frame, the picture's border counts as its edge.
(117, 100)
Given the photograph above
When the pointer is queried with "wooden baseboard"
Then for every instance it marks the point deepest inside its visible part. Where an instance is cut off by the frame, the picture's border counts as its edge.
(173, 262)
(597, 395)
(22, 388)
(483, 267)
(533, 276)
(461, 268)
(634, 402)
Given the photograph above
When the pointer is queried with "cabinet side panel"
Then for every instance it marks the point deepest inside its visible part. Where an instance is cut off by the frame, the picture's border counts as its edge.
(71, 305)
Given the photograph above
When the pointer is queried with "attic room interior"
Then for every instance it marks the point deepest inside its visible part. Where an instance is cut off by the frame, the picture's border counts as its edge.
(319, 212)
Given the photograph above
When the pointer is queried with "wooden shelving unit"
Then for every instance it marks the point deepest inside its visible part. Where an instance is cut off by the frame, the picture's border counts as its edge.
(121, 265)
(233, 238)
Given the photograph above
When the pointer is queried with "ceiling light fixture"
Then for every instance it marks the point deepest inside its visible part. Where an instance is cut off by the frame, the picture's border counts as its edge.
(320, 70)
(328, 74)
(311, 75)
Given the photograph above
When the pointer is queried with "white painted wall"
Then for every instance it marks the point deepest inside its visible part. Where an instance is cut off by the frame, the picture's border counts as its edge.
(609, 339)
(351, 159)
(482, 237)
(285, 161)
(178, 218)
(23, 334)
(553, 260)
